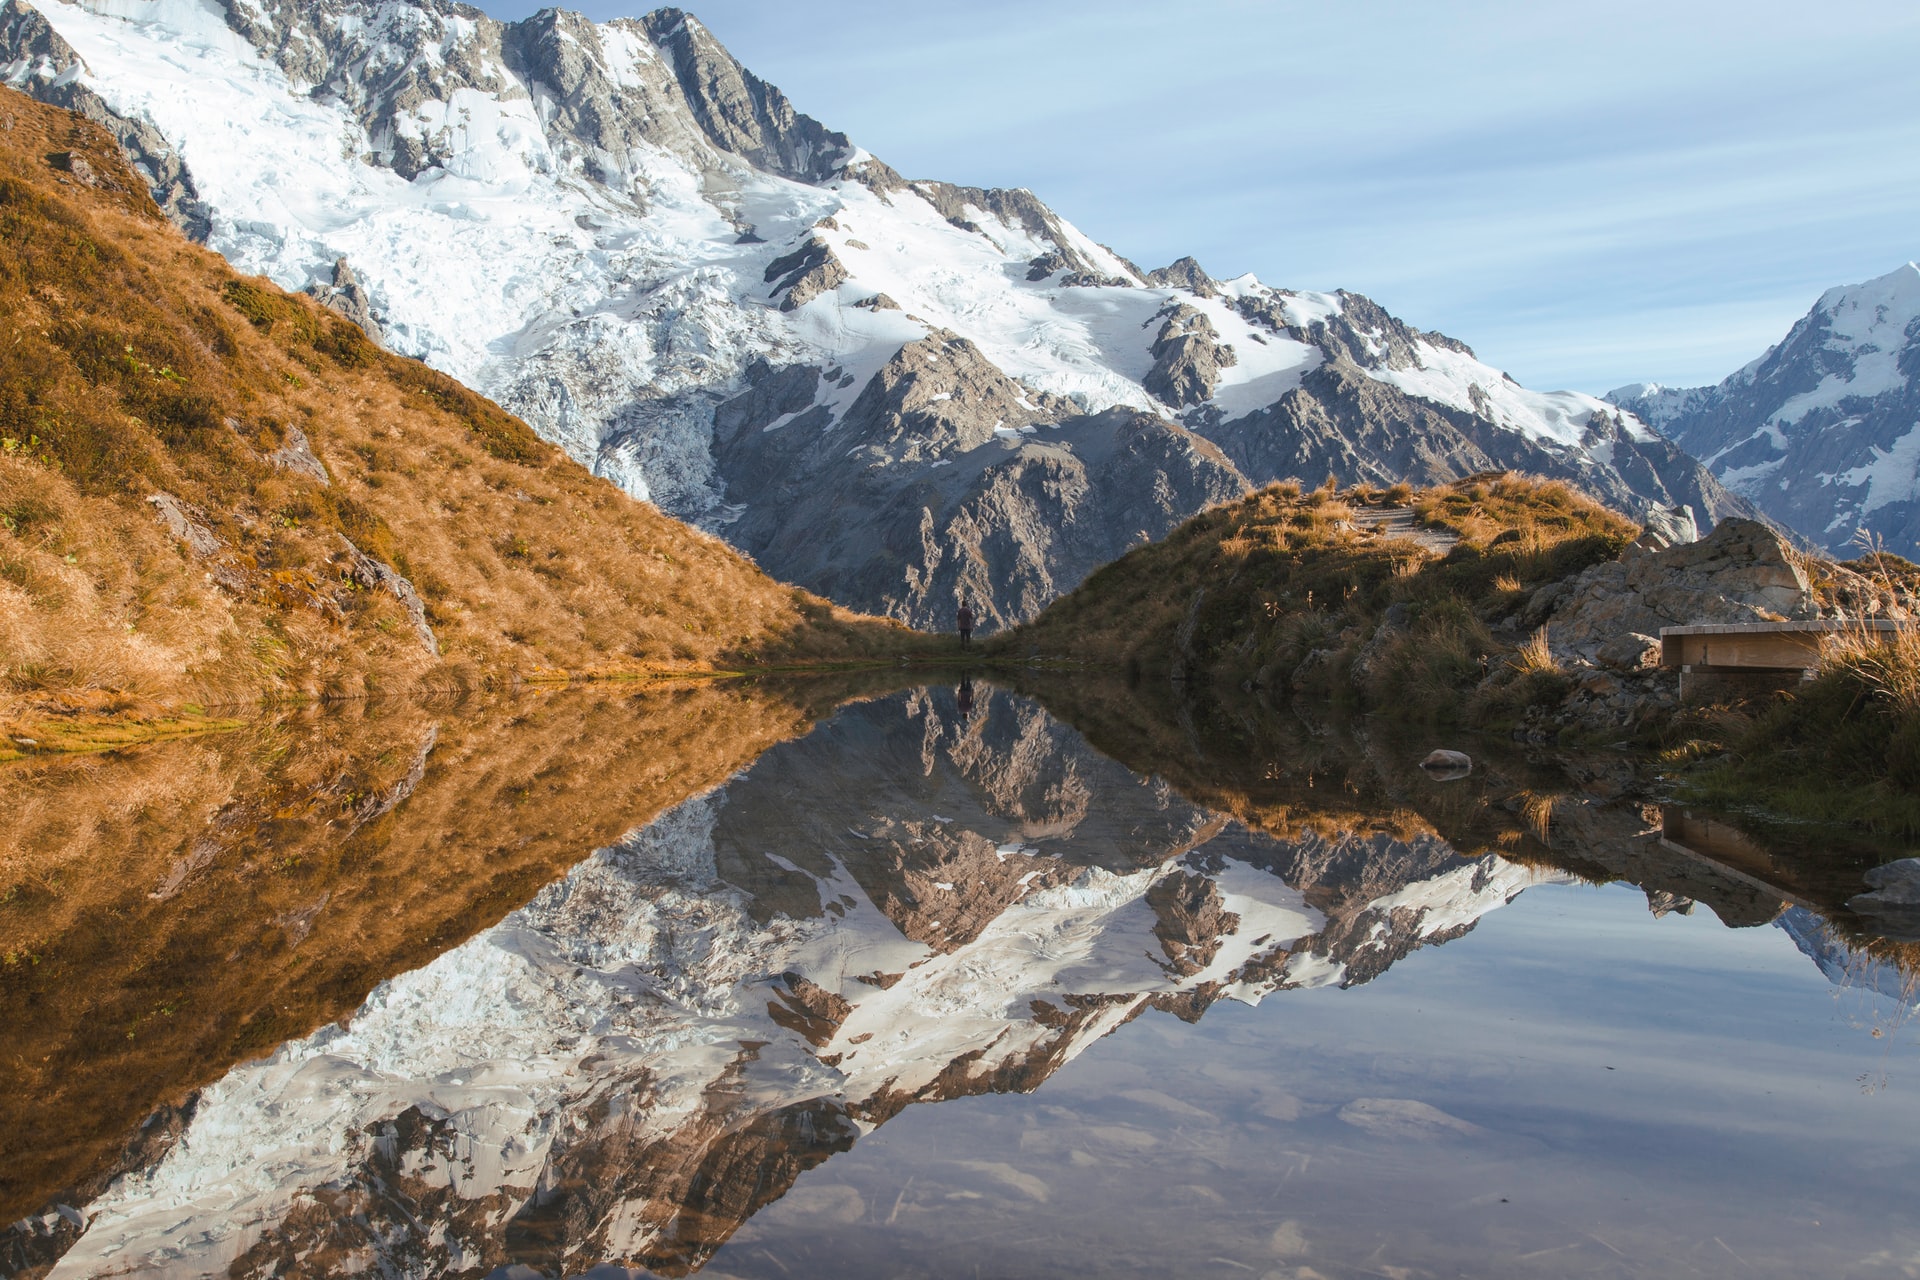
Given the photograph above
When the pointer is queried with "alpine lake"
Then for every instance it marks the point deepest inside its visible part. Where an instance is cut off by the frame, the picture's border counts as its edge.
(975, 977)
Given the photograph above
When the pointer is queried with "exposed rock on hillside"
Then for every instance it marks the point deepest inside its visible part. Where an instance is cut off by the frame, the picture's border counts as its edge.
(1187, 359)
(344, 295)
(1741, 572)
(804, 274)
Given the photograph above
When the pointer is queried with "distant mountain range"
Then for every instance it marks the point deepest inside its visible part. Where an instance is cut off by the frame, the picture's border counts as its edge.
(894, 392)
(1823, 431)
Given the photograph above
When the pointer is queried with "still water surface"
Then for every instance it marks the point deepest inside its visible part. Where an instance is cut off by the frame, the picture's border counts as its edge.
(940, 989)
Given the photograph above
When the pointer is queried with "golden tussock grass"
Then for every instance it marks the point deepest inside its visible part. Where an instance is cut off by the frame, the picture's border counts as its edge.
(1252, 590)
(135, 364)
(1534, 657)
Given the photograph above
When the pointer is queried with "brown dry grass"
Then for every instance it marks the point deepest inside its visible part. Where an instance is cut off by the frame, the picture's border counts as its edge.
(134, 363)
(1251, 591)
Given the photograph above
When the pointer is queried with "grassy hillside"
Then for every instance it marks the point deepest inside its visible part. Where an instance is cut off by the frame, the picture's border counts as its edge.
(186, 454)
(1283, 588)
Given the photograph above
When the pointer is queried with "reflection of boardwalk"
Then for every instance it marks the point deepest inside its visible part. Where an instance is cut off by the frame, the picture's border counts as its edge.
(1400, 522)
(1733, 854)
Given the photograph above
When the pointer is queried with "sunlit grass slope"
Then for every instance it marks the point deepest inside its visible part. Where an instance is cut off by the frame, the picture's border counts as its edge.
(1251, 591)
(165, 537)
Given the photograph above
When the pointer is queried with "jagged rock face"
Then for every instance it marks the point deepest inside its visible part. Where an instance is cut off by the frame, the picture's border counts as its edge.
(975, 487)
(1187, 359)
(660, 1044)
(1823, 431)
(742, 113)
(803, 275)
(620, 233)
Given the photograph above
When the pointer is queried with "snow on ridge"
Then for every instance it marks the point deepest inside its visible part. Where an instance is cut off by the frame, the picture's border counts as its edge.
(1869, 323)
(284, 174)
(1463, 382)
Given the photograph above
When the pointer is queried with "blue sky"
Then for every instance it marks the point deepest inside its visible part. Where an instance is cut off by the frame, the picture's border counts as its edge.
(1587, 193)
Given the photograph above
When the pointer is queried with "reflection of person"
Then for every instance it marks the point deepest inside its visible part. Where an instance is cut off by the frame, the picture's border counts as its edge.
(965, 621)
(963, 697)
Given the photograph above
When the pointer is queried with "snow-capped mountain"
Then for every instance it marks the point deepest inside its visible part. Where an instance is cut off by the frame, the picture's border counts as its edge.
(657, 1045)
(893, 392)
(1823, 431)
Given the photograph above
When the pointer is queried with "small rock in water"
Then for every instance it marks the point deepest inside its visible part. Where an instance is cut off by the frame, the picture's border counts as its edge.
(1445, 766)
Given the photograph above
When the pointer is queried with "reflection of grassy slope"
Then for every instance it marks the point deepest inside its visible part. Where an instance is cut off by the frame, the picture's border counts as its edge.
(1279, 775)
(194, 903)
(1249, 591)
(134, 363)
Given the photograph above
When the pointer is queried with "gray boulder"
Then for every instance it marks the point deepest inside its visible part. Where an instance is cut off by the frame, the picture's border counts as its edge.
(1741, 572)
(346, 296)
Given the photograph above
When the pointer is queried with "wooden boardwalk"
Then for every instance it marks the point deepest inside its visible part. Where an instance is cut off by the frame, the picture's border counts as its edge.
(1399, 522)
(1743, 659)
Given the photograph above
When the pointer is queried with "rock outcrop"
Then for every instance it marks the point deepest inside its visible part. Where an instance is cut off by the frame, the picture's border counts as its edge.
(803, 275)
(373, 575)
(1741, 572)
(1187, 359)
(344, 295)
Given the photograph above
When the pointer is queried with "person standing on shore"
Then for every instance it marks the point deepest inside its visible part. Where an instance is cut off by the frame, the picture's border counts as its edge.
(964, 619)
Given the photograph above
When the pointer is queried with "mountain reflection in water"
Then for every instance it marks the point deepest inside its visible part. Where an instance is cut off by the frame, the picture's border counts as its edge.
(936, 896)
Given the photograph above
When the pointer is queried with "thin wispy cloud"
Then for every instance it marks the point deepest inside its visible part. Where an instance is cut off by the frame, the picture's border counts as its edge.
(1545, 182)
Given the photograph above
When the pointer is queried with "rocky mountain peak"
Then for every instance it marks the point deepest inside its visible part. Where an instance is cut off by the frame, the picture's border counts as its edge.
(1183, 273)
(739, 111)
(1822, 431)
(1187, 359)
